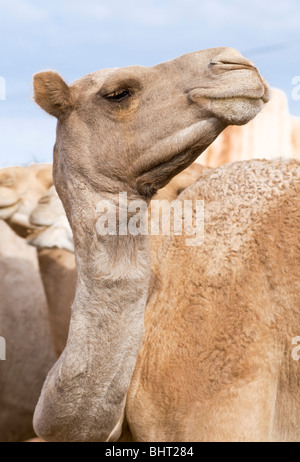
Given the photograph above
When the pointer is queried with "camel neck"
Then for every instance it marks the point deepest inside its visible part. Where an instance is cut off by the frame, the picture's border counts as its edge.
(105, 336)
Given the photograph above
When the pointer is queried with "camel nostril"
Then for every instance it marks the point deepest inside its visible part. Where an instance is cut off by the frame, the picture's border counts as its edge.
(234, 64)
(231, 58)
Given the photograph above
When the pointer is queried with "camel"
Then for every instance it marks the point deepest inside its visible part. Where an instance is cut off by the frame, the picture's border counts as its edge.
(58, 274)
(131, 130)
(20, 190)
(26, 320)
(23, 314)
(24, 326)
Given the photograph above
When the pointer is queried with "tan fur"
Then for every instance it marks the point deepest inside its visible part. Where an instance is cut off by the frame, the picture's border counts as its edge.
(180, 182)
(171, 117)
(216, 361)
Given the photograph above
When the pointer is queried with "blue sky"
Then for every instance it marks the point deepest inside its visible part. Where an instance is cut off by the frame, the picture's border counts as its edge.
(76, 37)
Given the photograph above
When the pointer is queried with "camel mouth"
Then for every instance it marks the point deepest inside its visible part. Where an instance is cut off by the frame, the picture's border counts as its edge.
(5, 206)
(36, 231)
(260, 94)
(7, 210)
(21, 220)
(246, 84)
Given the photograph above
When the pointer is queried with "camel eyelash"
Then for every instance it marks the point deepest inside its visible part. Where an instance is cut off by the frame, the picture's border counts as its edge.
(118, 95)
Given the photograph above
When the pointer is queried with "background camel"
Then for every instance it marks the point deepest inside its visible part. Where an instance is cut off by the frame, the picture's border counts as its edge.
(23, 305)
(89, 383)
(25, 327)
(54, 240)
(20, 190)
(25, 317)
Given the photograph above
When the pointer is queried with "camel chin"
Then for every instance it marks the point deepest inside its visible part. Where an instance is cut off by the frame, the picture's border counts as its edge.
(240, 113)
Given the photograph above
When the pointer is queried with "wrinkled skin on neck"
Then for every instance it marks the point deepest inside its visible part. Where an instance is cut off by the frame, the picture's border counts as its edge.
(124, 130)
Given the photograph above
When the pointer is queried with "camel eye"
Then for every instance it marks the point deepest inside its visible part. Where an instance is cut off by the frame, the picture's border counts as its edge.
(118, 95)
(44, 200)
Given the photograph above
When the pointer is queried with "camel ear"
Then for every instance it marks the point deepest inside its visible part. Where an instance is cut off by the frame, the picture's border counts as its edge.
(52, 93)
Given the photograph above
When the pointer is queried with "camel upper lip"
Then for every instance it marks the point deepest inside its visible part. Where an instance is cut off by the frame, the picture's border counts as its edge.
(11, 205)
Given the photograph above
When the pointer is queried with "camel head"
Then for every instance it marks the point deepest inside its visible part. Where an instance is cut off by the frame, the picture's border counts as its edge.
(51, 228)
(20, 190)
(48, 209)
(134, 129)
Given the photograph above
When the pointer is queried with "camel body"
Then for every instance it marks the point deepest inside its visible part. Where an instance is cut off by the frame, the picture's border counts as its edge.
(216, 360)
